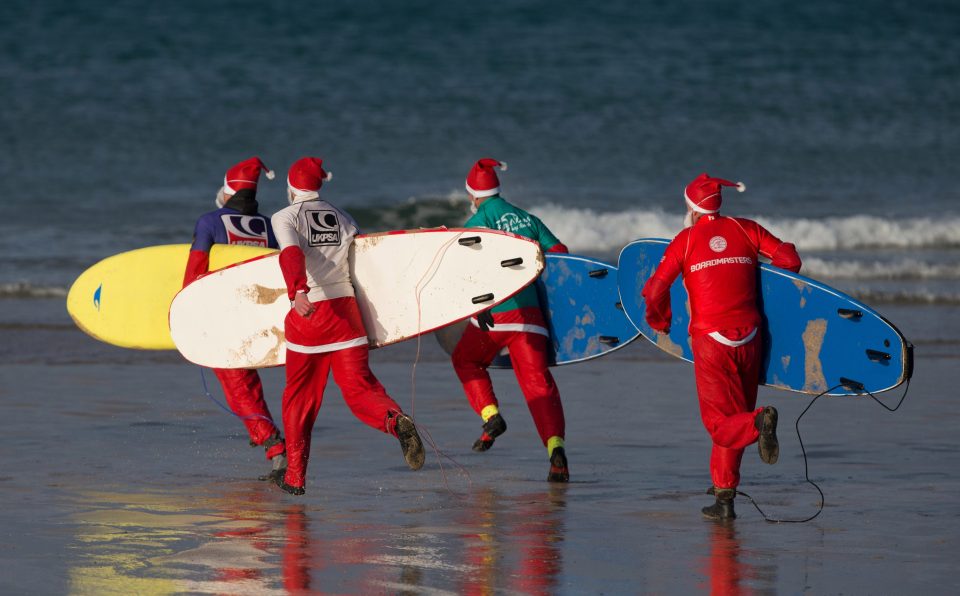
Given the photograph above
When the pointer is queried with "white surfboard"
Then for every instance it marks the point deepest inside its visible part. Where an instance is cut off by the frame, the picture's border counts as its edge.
(407, 283)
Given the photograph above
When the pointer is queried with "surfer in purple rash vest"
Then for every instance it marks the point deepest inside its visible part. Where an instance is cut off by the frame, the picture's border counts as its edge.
(237, 221)
(718, 259)
(517, 324)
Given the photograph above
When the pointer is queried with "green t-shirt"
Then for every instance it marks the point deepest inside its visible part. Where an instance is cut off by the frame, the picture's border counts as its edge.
(497, 214)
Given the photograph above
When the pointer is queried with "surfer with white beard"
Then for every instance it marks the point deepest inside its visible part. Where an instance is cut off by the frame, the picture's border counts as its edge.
(718, 259)
(238, 221)
(324, 330)
(517, 324)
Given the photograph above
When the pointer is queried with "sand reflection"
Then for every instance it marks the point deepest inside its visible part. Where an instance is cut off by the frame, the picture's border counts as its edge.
(251, 540)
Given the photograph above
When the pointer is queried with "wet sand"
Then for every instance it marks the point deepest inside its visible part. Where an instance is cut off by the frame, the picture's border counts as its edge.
(122, 477)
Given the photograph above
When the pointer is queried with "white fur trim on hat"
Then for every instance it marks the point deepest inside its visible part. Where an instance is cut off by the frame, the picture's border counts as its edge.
(696, 207)
(483, 193)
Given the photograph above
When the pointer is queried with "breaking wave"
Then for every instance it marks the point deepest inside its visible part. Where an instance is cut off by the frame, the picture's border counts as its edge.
(24, 289)
(590, 231)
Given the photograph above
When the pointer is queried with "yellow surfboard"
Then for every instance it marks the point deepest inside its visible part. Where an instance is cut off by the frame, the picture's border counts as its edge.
(125, 299)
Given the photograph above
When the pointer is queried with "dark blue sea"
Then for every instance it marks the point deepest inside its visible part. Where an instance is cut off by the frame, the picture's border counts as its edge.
(119, 120)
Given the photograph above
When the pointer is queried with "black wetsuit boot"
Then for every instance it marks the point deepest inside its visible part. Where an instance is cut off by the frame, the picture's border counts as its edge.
(723, 508)
(492, 428)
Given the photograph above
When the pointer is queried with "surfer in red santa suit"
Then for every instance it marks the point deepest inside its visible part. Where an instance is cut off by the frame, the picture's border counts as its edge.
(324, 330)
(718, 259)
(238, 221)
(517, 324)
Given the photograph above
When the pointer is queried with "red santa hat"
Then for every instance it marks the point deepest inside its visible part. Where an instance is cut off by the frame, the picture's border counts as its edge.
(482, 180)
(245, 175)
(306, 176)
(703, 194)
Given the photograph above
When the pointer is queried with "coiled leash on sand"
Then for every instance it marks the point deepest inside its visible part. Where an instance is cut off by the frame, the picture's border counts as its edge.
(847, 384)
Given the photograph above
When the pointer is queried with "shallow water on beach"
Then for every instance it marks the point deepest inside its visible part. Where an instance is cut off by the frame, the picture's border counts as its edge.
(123, 477)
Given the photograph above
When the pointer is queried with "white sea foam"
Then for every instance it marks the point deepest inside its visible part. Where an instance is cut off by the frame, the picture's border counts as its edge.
(22, 289)
(588, 230)
(897, 269)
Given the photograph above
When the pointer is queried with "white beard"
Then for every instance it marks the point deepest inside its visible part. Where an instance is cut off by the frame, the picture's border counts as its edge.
(220, 200)
(473, 208)
(688, 219)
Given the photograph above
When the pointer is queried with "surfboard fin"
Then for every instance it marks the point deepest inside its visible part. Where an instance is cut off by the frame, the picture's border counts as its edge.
(851, 384)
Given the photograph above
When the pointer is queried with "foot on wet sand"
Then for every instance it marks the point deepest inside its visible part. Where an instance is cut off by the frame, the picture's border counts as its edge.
(293, 490)
(279, 469)
(492, 428)
(558, 466)
(722, 509)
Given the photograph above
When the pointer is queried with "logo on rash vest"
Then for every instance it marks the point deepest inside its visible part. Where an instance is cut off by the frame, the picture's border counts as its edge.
(248, 230)
(324, 228)
(511, 222)
(718, 244)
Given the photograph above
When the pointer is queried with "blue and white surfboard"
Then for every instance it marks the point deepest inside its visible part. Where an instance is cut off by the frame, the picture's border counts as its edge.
(815, 337)
(580, 299)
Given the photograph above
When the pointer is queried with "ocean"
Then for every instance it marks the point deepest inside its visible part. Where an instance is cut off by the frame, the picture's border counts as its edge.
(119, 120)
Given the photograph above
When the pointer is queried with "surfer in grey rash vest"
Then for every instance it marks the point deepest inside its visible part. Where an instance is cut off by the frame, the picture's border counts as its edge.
(718, 259)
(237, 221)
(517, 324)
(324, 330)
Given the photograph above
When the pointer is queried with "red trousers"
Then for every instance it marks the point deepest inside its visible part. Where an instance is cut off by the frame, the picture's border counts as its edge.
(727, 379)
(244, 395)
(528, 353)
(306, 380)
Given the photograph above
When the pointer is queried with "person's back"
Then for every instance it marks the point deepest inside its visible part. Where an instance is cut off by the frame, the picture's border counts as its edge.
(497, 213)
(323, 233)
(237, 222)
(719, 258)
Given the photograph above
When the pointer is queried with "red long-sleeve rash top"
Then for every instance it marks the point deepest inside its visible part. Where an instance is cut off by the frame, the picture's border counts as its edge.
(718, 259)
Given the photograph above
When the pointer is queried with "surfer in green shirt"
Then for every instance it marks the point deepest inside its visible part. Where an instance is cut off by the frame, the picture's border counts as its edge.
(517, 324)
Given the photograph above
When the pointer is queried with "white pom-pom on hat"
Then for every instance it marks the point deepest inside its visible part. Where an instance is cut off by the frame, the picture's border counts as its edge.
(741, 187)
(503, 166)
(270, 174)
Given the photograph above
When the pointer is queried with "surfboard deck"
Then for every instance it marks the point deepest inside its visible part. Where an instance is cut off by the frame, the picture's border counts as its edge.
(124, 299)
(815, 337)
(581, 302)
(407, 283)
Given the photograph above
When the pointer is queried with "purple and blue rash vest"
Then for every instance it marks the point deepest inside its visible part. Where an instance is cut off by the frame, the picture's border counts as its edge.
(229, 226)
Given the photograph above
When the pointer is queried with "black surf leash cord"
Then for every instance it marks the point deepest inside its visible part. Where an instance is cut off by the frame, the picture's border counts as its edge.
(206, 390)
(806, 468)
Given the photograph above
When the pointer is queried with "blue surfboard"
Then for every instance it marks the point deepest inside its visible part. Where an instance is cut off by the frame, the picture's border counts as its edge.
(580, 298)
(815, 337)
